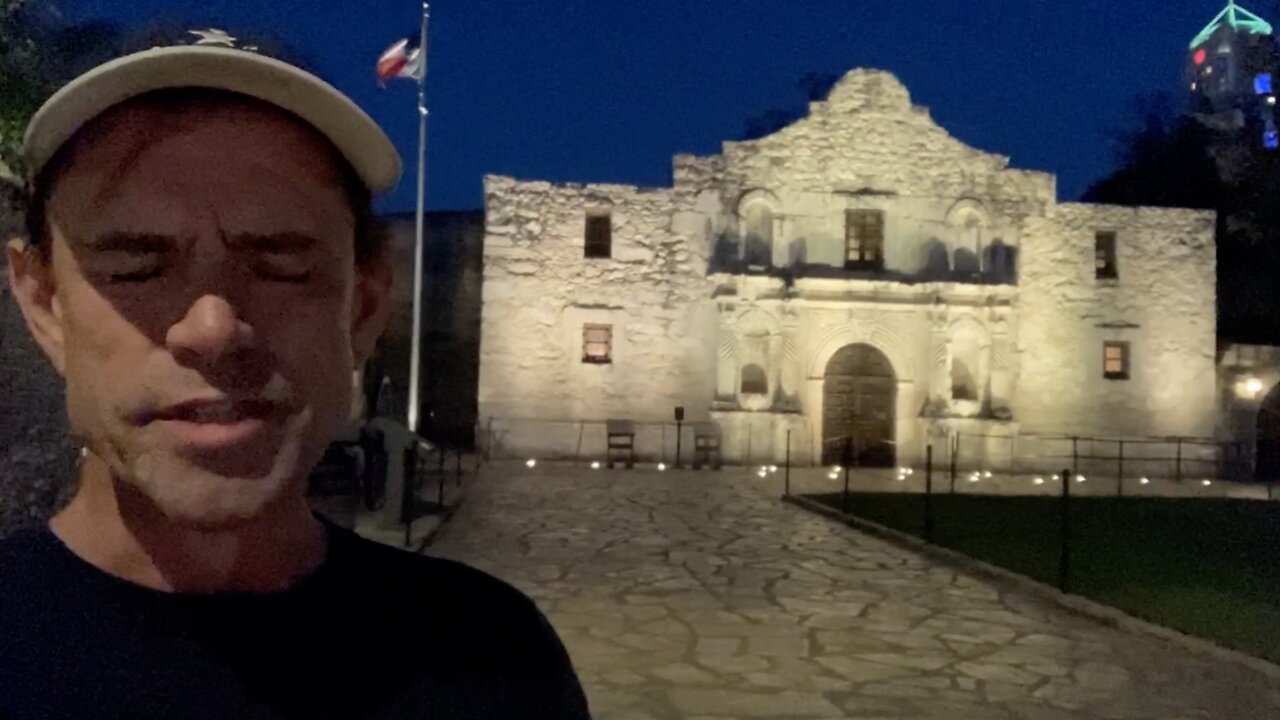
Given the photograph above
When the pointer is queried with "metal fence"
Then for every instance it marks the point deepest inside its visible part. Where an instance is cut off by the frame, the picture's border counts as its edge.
(1116, 459)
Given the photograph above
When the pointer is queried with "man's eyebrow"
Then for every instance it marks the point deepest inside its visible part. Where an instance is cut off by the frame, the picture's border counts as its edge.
(131, 242)
(282, 242)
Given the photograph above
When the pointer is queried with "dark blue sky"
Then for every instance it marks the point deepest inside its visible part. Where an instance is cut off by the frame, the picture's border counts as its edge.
(604, 90)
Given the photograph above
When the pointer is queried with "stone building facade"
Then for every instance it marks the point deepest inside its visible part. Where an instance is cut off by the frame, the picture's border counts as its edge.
(858, 277)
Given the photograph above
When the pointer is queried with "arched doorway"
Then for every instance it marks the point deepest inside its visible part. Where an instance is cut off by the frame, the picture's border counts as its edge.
(1269, 436)
(859, 393)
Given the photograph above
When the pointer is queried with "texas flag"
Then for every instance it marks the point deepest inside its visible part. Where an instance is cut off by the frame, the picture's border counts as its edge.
(401, 61)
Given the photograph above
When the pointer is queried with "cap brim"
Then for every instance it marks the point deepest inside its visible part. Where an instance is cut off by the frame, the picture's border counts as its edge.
(360, 140)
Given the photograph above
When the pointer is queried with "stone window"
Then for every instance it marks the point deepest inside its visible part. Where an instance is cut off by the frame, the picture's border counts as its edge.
(864, 239)
(758, 249)
(963, 384)
(597, 344)
(599, 236)
(1104, 255)
(754, 381)
(1115, 360)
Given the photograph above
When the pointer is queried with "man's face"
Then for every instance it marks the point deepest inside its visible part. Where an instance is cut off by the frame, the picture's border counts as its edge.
(208, 309)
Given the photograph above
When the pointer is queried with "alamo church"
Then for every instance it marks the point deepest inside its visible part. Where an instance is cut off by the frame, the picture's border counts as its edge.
(857, 274)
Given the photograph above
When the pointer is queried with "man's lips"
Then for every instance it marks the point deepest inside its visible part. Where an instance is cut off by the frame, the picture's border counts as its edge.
(222, 411)
(221, 425)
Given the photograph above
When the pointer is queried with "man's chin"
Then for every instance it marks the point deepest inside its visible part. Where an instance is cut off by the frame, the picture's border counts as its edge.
(198, 498)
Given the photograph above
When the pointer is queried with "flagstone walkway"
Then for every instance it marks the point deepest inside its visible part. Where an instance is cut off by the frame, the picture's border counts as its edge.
(700, 595)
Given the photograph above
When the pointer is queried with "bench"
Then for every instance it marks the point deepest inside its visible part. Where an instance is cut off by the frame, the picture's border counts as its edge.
(621, 439)
(706, 445)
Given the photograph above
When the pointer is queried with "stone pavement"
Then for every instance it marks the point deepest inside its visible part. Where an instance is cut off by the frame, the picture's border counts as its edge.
(700, 595)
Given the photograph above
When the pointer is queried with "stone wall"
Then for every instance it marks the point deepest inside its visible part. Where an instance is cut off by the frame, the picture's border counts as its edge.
(540, 290)
(1163, 304)
(986, 304)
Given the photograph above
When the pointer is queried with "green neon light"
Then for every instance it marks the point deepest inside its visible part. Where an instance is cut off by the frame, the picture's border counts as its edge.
(1238, 18)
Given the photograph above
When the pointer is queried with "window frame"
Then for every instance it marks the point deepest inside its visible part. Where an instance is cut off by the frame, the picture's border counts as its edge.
(1126, 360)
(597, 241)
(1106, 264)
(597, 359)
(869, 246)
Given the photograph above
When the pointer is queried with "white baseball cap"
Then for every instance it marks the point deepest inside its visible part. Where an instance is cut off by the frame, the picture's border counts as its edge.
(360, 140)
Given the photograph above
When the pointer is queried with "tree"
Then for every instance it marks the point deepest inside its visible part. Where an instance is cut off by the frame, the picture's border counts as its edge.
(39, 51)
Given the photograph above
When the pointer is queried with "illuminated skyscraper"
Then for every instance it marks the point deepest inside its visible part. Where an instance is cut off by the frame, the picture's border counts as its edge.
(1232, 66)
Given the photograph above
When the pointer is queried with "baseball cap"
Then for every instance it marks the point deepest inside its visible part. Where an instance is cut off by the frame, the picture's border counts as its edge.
(220, 66)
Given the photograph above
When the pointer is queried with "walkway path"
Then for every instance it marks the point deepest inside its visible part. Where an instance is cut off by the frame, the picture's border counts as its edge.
(700, 595)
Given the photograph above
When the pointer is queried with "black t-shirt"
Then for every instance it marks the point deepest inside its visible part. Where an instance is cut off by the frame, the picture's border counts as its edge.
(374, 633)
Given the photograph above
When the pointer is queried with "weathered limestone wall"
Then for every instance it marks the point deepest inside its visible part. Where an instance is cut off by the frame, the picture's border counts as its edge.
(539, 291)
(1163, 304)
(1029, 337)
(868, 147)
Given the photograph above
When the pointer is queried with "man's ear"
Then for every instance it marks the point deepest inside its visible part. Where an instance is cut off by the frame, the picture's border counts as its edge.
(32, 283)
(370, 307)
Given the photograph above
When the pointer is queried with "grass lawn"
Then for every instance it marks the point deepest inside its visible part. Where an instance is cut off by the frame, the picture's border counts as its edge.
(1207, 567)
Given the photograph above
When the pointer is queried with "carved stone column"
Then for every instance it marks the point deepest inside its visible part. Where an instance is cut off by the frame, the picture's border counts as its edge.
(1003, 366)
(939, 366)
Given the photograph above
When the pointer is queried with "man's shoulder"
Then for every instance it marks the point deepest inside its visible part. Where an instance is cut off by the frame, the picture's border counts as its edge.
(24, 548)
(444, 603)
(428, 579)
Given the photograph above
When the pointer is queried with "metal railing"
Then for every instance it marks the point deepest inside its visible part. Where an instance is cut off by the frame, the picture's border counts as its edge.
(427, 464)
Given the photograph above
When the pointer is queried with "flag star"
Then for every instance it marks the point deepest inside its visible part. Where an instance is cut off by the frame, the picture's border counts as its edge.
(213, 36)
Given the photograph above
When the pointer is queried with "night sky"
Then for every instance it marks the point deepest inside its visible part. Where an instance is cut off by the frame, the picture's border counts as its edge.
(608, 91)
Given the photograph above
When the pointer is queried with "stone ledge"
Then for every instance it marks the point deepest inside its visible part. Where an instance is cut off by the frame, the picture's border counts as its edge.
(1077, 604)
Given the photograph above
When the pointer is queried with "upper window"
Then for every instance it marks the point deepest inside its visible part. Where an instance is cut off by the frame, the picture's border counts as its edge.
(597, 344)
(599, 237)
(1115, 360)
(1104, 256)
(864, 238)
(758, 250)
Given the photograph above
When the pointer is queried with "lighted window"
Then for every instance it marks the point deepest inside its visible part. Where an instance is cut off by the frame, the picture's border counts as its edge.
(1104, 256)
(599, 236)
(864, 238)
(754, 381)
(1262, 84)
(1115, 360)
(597, 344)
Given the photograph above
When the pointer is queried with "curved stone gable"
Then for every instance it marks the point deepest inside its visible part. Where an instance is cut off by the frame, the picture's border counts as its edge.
(868, 136)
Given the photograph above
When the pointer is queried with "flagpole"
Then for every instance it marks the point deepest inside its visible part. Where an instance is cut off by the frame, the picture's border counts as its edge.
(415, 350)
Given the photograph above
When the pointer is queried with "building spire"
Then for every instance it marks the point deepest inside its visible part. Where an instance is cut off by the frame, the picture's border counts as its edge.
(1238, 19)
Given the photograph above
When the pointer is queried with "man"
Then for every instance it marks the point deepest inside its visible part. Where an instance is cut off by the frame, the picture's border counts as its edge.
(202, 269)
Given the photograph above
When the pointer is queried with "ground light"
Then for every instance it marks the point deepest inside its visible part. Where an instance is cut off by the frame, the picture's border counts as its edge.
(1145, 481)
(531, 463)
(662, 467)
(1081, 478)
(1206, 483)
(1038, 481)
(834, 475)
(595, 466)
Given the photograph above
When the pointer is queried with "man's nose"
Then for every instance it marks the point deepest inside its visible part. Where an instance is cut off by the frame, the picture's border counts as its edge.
(211, 330)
